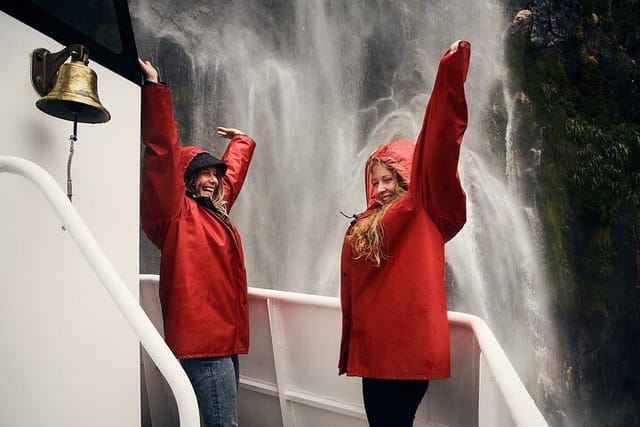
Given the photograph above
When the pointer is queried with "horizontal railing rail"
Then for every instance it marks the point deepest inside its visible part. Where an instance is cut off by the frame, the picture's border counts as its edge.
(502, 398)
(522, 408)
(148, 335)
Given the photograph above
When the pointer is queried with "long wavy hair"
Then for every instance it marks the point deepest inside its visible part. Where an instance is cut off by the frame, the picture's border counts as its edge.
(367, 234)
(217, 198)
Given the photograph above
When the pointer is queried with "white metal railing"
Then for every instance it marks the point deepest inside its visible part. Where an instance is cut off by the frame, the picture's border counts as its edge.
(151, 340)
(290, 372)
(502, 399)
(522, 408)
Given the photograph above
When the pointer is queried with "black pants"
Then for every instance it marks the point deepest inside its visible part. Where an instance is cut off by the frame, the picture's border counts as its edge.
(392, 403)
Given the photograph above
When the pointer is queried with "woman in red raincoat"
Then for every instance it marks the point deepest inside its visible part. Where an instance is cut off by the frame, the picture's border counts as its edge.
(395, 332)
(186, 197)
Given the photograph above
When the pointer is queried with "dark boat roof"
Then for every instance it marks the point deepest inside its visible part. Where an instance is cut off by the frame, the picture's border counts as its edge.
(103, 27)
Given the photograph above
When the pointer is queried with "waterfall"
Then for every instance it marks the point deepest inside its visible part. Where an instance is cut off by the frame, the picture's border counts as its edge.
(319, 84)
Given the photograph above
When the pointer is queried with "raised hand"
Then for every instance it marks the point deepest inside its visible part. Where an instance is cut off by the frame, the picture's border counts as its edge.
(454, 46)
(148, 71)
(228, 132)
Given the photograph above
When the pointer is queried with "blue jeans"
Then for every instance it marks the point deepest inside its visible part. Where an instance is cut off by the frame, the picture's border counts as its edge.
(215, 381)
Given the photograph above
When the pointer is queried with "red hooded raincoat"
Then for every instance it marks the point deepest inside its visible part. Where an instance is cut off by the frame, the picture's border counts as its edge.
(203, 283)
(394, 322)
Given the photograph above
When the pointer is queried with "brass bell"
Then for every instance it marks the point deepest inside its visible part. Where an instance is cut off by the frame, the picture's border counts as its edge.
(74, 95)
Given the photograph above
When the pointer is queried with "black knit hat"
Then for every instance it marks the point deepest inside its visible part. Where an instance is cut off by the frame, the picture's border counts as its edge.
(205, 160)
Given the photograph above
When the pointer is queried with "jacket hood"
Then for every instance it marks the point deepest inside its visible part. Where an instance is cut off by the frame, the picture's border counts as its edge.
(397, 154)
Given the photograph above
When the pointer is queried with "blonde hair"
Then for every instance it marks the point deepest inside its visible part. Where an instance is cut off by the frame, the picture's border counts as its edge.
(367, 234)
(217, 198)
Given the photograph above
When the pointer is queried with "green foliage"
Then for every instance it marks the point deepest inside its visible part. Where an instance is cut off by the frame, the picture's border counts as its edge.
(606, 173)
(549, 83)
(515, 56)
(590, 95)
(557, 215)
(591, 160)
(597, 270)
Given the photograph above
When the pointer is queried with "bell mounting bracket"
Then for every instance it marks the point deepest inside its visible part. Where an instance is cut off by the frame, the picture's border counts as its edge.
(44, 65)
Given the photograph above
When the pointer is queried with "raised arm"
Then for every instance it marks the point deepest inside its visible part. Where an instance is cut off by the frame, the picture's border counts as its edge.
(162, 183)
(435, 182)
(237, 156)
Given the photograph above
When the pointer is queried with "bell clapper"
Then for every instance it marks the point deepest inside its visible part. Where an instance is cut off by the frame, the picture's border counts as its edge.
(72, 139)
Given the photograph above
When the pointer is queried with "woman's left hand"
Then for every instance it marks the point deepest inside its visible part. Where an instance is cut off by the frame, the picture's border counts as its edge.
(454, 46)
(228, 132)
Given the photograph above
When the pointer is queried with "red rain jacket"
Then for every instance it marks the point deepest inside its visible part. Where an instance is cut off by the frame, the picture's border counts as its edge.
(203, 283)
(394, 317)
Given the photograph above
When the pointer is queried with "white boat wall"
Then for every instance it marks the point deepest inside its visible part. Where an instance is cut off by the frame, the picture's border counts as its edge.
(69, 357)
(71, 325)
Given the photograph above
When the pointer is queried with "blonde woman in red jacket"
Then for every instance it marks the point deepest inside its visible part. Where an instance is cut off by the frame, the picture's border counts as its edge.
(394, 329)
(187, 194)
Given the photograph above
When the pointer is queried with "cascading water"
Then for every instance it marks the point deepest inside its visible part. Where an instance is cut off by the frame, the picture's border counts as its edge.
(319, 84)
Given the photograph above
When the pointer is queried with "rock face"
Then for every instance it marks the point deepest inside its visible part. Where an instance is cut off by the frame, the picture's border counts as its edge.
(549, 22)
(579, 62)
(553, 22)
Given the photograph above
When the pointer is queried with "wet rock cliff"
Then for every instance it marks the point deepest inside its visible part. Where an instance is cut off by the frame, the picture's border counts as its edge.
(575, 71)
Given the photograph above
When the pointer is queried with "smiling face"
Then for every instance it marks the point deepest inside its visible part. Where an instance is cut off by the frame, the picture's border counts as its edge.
(384, 182)
(206, 182)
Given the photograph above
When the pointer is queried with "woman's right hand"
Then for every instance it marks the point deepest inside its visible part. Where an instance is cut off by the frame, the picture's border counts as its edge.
(148, 71)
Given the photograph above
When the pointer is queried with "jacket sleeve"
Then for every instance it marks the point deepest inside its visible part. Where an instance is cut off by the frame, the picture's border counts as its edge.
(237, 156)
(435, 180)
(162, 184)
